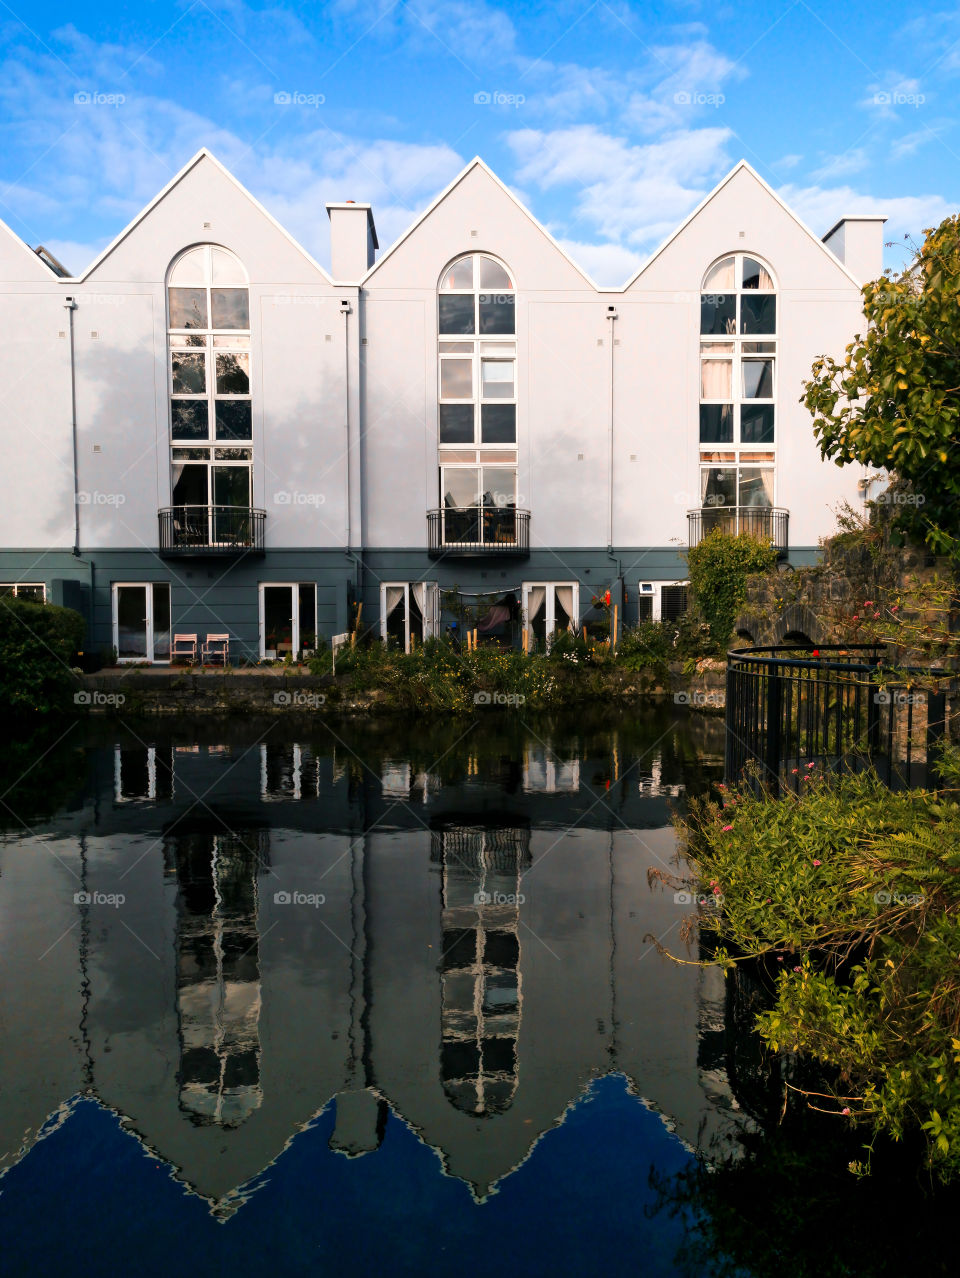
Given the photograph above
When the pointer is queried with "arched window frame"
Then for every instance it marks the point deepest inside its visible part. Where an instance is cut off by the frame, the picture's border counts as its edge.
(209, 382)
(737, 371)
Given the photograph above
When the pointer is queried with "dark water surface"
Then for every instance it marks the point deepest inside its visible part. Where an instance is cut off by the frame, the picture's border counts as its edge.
(372, 998)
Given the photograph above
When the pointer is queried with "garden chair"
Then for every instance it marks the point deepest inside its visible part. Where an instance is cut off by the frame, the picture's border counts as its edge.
(184, 648)
(216, 648)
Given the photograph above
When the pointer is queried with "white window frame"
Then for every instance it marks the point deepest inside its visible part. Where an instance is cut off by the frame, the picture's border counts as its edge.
(656, 594)
(430, 611)
(16, 586)
(293, 586)
(115, 589)
(550, 612)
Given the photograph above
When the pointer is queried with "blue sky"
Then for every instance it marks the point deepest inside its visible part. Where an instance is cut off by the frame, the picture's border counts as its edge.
(610, 120)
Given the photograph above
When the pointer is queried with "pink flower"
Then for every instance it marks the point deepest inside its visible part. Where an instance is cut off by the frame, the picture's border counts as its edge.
(795, 771)
(816, 862)
(868, 603)
(779, 958)
(876, 616)
(811, 765)
(894, 607)
(767, 901)
(856, 616)
(845, 1110)
(721, 786)
(796, 969)
(726, 828)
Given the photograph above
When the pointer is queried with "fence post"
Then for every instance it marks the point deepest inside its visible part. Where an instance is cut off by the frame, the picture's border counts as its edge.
(730, 708)
(772, 752)
(936, 725)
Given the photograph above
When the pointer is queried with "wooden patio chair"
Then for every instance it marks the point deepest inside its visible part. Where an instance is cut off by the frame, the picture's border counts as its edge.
(184, 648)
(216, 648)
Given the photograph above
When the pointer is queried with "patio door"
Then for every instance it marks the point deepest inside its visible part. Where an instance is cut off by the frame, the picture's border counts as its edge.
(548, 608)
(409, 610)
(288, 619)
(141, 621)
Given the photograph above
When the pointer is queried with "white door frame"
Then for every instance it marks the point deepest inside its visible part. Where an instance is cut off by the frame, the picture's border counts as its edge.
(430, 611)
(550, 612)
(148, 586)
(294, 588)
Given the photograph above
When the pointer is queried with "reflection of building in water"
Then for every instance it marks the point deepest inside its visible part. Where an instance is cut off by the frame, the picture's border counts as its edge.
(545, 772)
(480, 964)
(142, 772)
(288, 771)
(652, 784)
(218, 971)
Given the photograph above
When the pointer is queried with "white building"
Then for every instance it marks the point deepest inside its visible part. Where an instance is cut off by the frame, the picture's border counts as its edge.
(205, 432)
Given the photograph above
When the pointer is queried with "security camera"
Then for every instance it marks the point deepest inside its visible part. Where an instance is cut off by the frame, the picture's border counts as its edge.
(345, 305)
(611, 312)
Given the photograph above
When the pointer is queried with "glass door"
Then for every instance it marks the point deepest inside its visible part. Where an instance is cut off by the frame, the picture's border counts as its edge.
(141, 621)
(288, 619)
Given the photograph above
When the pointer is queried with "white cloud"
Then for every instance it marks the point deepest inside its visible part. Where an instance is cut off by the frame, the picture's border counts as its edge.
(610, 264)
(855, 160)
(820, 207)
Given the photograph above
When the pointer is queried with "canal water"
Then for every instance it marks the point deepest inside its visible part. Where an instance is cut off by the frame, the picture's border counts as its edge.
(297, 997)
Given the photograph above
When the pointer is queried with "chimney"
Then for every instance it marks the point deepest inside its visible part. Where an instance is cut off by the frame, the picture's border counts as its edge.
(353, 240)
(858, 243)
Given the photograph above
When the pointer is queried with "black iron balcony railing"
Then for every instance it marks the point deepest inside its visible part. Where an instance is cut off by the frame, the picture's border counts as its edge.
(478, 530)
(769, 523)
(211, 530)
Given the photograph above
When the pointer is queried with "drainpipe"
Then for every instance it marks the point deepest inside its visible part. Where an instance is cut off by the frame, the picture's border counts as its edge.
(71, 306)
(345, 312)
(611, 316)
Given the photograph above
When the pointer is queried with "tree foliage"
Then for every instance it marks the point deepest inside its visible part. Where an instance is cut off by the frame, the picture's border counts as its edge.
(894, 400)
(718, 568)
(38, 648)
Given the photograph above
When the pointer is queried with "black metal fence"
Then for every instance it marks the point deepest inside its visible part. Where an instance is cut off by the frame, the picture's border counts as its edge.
(788, 709)
(478, 530)
(211, 530)
(769, 523)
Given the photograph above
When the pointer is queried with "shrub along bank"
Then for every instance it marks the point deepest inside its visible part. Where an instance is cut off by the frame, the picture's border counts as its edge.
(38, 650)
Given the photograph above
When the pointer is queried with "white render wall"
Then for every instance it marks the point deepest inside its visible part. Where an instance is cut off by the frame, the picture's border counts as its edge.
(300, 367)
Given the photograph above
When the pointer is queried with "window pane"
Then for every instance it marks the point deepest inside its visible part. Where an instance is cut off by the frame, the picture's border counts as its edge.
(233, 454)
(456, 423)
(307, 600)
(492, 275)
(34, 594)
(231, 485)
(191, 454)
(233, 341)
(188, 374)
(161, 621)
(718, 313)
(231, 308)
(496, 378)
(716, 423)
(721, 278)
(233, 374)
(758, 313)
(459, 275)
(226, 268)
(717, 348)
(188, 307)
(191, 269)
(497, 313)
(756, 423)
(757, 378)
(718, 487)
(756, 487)
(499, 486)
(759, 348)
(716, 379)
(498, 423)
(456, 348)
(461, 486)
(131, 621)
(189, 419)
(180, 341)
(456, 378)
(190, 485)
(756, 276)
(456, 314)
(234, 419)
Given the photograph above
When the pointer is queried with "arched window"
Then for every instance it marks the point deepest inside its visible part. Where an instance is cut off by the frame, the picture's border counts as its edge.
(211, 430)
(738, 355)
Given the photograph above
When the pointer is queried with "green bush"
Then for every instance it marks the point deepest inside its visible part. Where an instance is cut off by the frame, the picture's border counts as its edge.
(38, 650)
(718, 568)
(850, 896)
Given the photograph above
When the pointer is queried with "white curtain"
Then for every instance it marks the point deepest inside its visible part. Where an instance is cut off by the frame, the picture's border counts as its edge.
(536, 598)
(565, 600)
(766, 283)
(394, 596)
(716, 379)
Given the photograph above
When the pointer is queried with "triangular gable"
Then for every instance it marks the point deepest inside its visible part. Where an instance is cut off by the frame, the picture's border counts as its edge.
(476, 164)
(19, 262)
(202, 156)
(742, 166)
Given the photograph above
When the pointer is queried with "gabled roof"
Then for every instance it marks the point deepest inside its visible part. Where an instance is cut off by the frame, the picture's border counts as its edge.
(202, 154)
(743, 164)
(477, 163)
(46, 270)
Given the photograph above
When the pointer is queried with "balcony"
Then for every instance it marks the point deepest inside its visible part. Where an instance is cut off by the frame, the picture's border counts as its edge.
(768, 523)
(211, 530)
(478, 530)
